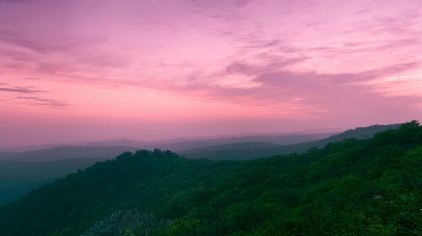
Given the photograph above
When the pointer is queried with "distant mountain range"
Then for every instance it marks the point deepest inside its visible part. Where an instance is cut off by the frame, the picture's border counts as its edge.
(253, 150)
(223, 148)
(110, 148)
(66, 152)
(192, 143)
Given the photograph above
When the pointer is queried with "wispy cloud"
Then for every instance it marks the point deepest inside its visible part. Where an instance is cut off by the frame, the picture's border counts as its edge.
(29, 95)
(24, 90)
(43, 101)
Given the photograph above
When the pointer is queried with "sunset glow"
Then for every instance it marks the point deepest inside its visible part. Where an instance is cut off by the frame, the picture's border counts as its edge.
(92, 70)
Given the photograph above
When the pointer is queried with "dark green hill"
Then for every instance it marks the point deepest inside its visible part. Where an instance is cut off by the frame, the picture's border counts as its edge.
(18, 178)
(353, 187)
(253, 150)
(22, 171)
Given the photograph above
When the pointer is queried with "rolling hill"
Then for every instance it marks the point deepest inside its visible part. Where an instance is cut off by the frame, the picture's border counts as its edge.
(17, 178)
(355, 187)
(24, 171)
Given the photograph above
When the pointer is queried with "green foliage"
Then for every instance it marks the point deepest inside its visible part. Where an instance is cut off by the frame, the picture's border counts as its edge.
(353, 187)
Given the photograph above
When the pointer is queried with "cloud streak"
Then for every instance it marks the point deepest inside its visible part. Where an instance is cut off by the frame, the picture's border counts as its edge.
(24, 90)
(30, 96)
(43, 101)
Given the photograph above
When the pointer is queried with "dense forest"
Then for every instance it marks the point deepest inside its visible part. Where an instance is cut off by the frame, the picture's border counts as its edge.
(352, 187)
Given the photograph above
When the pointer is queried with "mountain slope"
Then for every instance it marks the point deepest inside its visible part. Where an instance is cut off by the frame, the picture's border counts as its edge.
(354, 187)
(24, 171)
(233, 152)
(18, 178)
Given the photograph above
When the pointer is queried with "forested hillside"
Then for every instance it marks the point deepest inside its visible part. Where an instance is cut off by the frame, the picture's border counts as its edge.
(19, 177)
(353, 187)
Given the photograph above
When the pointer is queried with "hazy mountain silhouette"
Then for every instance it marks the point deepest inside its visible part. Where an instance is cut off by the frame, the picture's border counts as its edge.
(243, 147)
(252, 150)
(117, 142)
(66, 152)
(274, 138)
(5, 154)
(192, 143)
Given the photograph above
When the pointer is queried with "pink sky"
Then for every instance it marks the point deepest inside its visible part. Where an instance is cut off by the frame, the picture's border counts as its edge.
(76, 70)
